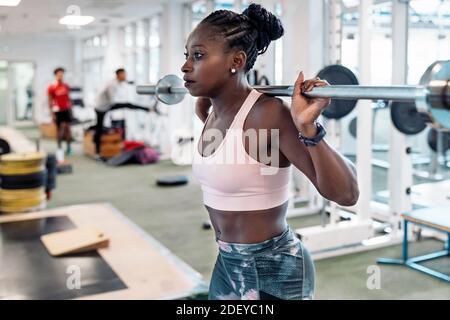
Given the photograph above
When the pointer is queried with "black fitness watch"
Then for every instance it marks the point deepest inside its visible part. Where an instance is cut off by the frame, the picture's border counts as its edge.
(311, 142)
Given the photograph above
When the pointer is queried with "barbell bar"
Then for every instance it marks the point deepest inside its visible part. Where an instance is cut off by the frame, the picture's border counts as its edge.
(432, 95)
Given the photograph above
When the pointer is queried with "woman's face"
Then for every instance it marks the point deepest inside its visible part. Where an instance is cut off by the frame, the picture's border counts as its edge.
(207, 66)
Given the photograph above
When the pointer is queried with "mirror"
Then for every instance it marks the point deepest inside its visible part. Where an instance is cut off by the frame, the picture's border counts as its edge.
(22, 90)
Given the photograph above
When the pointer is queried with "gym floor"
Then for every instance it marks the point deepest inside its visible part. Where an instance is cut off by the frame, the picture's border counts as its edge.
(174, 216)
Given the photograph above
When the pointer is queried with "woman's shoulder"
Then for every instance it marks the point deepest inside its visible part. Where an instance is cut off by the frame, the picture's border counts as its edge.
(270, 112)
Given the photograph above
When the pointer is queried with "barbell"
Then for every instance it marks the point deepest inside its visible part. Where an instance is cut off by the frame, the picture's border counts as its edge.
(431, 96)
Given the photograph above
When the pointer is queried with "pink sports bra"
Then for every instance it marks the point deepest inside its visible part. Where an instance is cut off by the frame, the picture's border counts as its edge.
(231, 179)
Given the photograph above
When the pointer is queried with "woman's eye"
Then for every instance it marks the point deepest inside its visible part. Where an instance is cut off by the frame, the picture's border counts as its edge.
(186, 55)
(198, 55)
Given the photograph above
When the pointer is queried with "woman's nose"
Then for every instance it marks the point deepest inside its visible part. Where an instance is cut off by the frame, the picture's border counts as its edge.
(186, 67)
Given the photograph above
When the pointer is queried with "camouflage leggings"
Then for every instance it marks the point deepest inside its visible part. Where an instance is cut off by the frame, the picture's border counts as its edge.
(278, 268)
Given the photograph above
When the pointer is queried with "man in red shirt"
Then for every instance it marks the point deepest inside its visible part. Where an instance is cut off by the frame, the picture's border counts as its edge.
(61, 108)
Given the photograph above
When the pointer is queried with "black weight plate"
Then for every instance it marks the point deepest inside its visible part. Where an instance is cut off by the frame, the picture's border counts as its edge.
(4, 147)
(352, 127)
(26, 181)
(406, 118)
(338, 75)
(172, 181)
(432, 140)
(52, 171)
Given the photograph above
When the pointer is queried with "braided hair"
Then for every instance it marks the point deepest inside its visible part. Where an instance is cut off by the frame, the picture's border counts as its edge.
(252, 31)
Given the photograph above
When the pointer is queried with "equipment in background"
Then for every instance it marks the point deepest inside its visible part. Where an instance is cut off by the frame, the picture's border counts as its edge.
(172, 181)
(255, 80)
(52, 171)
(76, 97)
(182, 147)
(439, 142)
(134, 152)
(23, 180)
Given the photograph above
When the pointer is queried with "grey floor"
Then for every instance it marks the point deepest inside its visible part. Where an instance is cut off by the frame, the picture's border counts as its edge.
(174, 217)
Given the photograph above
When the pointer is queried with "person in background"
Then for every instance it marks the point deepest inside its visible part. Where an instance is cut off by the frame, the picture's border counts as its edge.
(61, 108)
(115, 91)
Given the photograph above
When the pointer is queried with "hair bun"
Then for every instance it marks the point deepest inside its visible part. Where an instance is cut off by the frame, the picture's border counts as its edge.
(268, 25)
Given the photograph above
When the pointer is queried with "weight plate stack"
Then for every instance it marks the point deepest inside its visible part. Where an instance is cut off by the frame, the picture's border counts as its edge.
(23, 179)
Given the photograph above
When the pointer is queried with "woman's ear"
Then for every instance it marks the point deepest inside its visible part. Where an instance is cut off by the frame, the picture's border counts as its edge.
(239, 60)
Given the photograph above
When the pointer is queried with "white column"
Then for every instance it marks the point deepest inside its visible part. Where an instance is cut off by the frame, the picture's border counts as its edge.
(400, 164)
(113, 52)
(303, 39)
(172, 58)
(364, 113)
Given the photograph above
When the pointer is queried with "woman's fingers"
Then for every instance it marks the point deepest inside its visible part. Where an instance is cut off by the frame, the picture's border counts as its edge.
(298, 87)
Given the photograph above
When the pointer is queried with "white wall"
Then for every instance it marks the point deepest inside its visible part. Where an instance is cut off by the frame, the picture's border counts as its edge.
(47, 53)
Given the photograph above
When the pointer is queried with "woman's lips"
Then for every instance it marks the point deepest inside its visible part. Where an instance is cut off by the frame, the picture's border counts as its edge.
(188, 84)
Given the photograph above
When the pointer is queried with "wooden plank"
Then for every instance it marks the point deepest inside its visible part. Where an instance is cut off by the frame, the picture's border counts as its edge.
(74, 241)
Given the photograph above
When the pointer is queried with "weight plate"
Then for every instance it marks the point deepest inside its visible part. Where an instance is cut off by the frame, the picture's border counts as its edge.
(338, 75)
(172, 181)
(23, 157)
(432, 140)
(439, 109)
(352, 127)
(27, 181)
(407, 119)
(169, 81)
(20, 194)
(4, 147)
(12, 170)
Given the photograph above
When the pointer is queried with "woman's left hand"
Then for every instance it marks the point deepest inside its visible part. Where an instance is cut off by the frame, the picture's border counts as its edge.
(304, 110)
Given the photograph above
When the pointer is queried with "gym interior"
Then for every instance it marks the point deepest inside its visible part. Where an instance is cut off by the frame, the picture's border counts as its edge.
(100, 194)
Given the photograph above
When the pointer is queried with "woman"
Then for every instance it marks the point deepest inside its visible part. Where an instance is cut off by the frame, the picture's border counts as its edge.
(259, 255)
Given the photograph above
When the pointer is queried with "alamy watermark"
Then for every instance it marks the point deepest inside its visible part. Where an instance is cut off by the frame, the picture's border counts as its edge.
(230, 149)
(73, 281)
(374, 280)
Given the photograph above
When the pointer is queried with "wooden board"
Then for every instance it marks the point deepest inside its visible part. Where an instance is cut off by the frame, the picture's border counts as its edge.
(48, 130)
(111, 145)
(74, 241)
(149, 270)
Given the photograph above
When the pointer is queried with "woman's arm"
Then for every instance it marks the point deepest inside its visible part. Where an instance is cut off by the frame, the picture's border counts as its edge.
(333, 175)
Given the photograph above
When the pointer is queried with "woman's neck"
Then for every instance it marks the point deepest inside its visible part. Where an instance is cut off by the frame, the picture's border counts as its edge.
(231, 98)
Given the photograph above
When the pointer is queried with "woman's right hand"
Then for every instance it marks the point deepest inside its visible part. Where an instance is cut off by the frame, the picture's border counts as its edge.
(202, 106)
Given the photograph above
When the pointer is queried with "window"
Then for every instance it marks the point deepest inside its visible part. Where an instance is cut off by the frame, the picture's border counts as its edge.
(199, 9)
(429, 36)
(223, 4)
(278, 70)
(129, 41)
(154, 49)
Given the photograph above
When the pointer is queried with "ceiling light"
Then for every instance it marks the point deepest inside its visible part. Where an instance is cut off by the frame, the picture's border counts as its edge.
(76, 20)
(9, 3)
